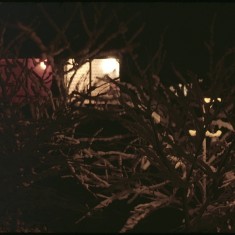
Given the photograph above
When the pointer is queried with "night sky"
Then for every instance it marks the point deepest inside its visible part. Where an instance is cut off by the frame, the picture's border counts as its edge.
(188, 26)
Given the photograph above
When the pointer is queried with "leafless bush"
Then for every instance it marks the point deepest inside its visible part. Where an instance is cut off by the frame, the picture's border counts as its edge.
(35, 143)
(181, 151)
(168, 155)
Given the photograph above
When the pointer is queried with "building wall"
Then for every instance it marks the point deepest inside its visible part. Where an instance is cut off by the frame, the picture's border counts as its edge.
(24, 79)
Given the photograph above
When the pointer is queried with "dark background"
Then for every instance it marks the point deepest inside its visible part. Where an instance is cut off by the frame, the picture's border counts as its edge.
(187, 24)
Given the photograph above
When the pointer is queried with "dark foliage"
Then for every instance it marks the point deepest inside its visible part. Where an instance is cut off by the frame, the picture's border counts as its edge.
(153, 159)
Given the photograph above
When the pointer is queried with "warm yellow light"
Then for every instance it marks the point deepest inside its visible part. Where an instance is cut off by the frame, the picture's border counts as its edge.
(218, 133)
(207, 100)
(43, 65)
(109, 65)
(192, 132)
(156, 117)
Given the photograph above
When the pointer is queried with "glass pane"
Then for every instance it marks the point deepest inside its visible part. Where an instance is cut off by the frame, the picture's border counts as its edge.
(79, 79)
(101, 68)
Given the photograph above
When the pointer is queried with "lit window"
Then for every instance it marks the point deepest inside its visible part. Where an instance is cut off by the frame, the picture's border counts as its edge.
(110, 67)
(92, 74)
(80, 77)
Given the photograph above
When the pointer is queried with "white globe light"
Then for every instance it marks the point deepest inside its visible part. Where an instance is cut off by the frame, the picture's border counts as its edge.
(43, 65)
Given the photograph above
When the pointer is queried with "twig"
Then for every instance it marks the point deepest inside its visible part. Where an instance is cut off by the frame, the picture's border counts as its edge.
(105, 139)
(105, 183)
(33, 36)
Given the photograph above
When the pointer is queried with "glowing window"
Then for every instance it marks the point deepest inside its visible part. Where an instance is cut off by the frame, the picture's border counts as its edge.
(92, 74)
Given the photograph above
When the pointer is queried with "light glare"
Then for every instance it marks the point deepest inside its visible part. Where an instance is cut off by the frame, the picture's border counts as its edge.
(207, 100)
(216, 134)
(192, 132)
(43, 65)
(109, 65)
